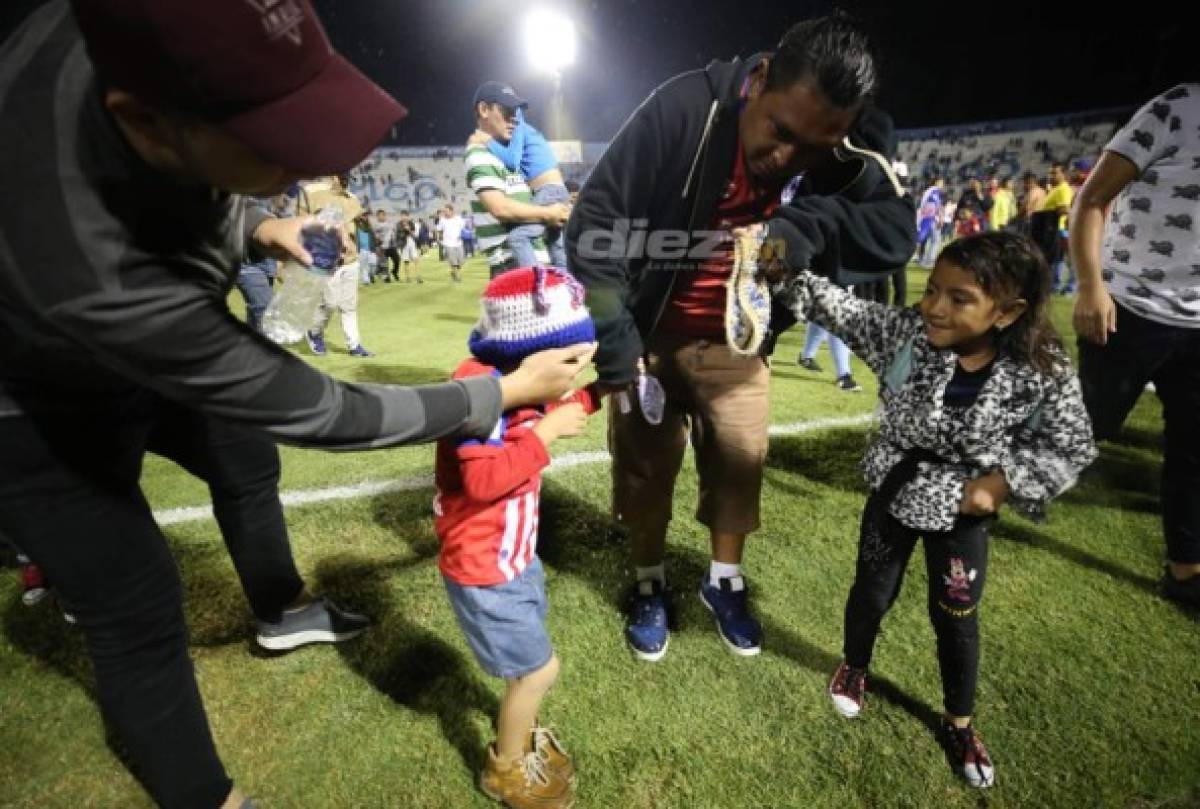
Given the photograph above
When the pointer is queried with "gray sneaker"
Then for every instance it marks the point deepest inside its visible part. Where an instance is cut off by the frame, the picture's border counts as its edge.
(319, 622)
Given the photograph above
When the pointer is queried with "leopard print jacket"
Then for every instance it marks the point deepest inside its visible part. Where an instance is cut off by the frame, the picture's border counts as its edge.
(1030, 425)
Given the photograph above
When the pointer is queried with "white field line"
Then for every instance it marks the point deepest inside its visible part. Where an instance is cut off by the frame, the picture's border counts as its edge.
(369, 488)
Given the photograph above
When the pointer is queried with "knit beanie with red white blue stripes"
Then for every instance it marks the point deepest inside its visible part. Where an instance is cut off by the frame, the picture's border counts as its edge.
(529, 310)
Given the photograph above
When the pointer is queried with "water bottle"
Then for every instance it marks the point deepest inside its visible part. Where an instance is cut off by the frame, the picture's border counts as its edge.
(290, 313)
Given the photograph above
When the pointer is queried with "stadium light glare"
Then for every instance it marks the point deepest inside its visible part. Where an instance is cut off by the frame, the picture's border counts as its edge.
(549, 40)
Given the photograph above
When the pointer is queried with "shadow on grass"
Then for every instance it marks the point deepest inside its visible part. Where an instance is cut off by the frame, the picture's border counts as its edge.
(1185, 800)
(828, 458)
(410, 664)
(400, 374)
(578, 540)
(1120, 478)
(1026, 534)
(1139, 438)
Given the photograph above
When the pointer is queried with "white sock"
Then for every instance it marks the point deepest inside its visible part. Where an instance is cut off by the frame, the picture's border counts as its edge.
(722, 570)
(656, 573)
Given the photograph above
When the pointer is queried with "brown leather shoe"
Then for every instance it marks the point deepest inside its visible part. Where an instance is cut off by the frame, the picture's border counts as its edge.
(553, 755)
(525, 784)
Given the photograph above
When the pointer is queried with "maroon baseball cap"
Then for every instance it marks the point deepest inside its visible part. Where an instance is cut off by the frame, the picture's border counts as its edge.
(262, 70)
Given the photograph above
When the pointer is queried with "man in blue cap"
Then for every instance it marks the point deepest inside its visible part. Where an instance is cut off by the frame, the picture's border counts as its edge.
(502, 199)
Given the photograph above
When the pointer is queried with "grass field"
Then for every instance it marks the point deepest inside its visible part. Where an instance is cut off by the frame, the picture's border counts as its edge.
(1089, 691)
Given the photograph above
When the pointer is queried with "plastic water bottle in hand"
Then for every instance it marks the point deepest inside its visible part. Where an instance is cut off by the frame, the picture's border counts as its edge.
(290, 313)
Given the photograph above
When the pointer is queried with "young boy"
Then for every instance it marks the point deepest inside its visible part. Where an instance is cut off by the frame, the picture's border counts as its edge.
(529, 153)
(487, 518)
(340, 293)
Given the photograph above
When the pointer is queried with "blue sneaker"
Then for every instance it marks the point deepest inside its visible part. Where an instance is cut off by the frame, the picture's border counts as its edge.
(738, 628)
(359, 351)
(316, 342)
(646, 626)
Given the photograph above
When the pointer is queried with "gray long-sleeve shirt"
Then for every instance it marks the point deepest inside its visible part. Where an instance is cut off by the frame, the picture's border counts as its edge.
(114, 279)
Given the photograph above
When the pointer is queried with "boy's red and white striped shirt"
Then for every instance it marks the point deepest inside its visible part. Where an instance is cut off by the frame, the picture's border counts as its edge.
(487, 505)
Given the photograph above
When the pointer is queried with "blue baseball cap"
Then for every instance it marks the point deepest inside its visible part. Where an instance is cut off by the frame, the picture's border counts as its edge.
(495, 92)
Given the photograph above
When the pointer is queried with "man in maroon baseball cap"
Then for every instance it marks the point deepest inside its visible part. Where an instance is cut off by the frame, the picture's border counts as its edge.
(133, 128)
(263, 71)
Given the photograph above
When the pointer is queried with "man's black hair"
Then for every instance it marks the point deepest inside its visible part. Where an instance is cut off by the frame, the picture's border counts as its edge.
(833, 52)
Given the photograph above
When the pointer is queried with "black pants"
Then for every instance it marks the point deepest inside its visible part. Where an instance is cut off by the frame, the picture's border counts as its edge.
(69, 499)
(956, 562)
(241, 468)
(900, 287)
(1113, 376)
(1043, 229)
(391, 261)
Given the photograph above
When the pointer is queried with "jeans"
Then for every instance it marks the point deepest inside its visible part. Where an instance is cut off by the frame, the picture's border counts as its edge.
(1064, 277)
(255, 286)
(367, 261)
(814, 336)
(1113, 376)
(520, 238)
(956, 564)
(930, 241)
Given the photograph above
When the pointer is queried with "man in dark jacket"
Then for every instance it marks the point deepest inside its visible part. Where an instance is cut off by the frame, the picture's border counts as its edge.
(707, 152)
(136, 142)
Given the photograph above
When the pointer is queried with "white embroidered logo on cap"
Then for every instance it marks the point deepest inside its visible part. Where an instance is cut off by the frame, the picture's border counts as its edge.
(280, 18)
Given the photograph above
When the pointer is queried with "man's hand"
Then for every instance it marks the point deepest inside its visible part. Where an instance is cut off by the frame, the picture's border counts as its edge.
(772, 262)
(556, 215)
(280, 238)
(478, 138)
(567, 421)
(546, 376)
(983, 496)
(1095, 314)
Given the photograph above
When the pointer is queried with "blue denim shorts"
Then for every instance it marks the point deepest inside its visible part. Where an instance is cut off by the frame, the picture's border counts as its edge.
(505, 624)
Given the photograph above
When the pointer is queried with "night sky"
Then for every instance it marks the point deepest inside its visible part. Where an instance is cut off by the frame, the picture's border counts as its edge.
(941, 62)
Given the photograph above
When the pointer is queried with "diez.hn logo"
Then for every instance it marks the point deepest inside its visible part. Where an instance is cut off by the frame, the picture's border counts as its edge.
(630, 239)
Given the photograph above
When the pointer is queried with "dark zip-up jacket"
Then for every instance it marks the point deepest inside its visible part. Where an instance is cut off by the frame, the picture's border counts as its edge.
(667, 169)
(114, 279)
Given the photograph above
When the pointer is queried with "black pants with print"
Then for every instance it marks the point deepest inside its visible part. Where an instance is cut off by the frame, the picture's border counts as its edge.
(1113, 376)
(956, 562)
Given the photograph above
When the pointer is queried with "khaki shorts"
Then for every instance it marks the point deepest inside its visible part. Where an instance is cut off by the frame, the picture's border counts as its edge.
(722, 401)
(454, 255)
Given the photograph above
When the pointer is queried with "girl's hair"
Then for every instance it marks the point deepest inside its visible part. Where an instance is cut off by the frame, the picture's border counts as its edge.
(1009, 266)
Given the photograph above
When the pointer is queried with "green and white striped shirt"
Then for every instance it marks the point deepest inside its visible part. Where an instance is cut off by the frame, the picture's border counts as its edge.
(485, 172)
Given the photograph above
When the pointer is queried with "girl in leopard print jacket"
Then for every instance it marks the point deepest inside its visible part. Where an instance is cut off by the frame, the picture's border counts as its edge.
(980, 406)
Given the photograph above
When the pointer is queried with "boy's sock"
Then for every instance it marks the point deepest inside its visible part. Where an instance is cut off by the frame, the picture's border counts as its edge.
(722, 570)
(656, 573)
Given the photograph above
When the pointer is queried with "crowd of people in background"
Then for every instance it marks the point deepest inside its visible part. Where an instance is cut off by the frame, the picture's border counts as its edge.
(1039, 210)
